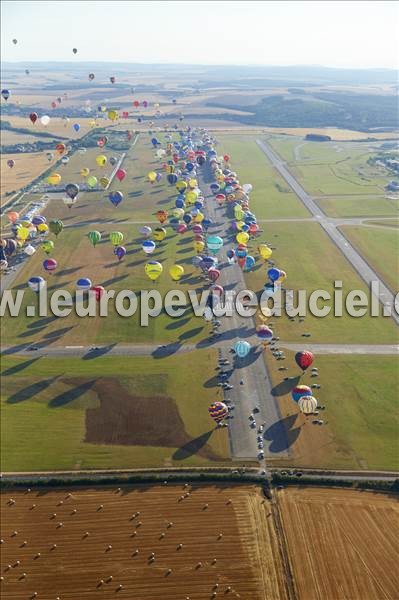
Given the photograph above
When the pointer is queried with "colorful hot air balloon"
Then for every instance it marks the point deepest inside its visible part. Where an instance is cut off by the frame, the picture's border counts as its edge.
(218, 411)
(12, 216)
(54, 179)
(152, 176)
(242, 348)
(264, 333)
(83, 283)
(60, 148)
(36, 283)
(5, 94)
(148, 246)
(307, 404)
(48, 246)
(120, 174)
(304, 359)
(92, 181)
(153, 270)
(300, 390)
(159, 234)
(116, 238)
(50, 264)
(176, 272)
(161, 215)
(94, 237)
(120, 252)
(10, 163)
(214, 243)
(213, 274)
(116, 198)
(146, 231)
(56, 226)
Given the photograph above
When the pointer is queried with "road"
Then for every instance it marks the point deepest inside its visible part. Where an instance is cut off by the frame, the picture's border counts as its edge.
(368, 275)
(256, 388)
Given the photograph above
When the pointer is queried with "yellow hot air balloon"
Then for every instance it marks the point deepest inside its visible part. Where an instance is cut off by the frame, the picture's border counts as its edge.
(265, 251)
(92, 181)
(54, 179)
(116, 238)
(178, 213)
(104, 181)
(159, 234)
(238, 213)
(199, 217)
(242, 237)
(42, 227)
(192, 183)
(181, 185)
(113, 115)
(240, 225)
(151, 176)
(84, 172)
(176, 272)
(25, 223)
(101, 160)
(199, 245)
(153, 269)
(92, 123)
(191, 197)
(23, 233)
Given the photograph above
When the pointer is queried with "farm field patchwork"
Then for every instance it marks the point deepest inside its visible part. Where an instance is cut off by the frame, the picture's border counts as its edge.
(360, 421)
(341, 543)
(27, 166)
(380, 247)
(109, 412)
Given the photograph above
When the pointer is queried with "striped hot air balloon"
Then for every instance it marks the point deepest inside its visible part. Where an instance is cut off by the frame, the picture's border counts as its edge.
(218, 411)
(307, 404)
(299, 391)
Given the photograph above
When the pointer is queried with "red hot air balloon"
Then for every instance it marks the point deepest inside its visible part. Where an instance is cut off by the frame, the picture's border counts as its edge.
(98, 290)
(120, 174)
(33, 117)
(226, 158)
(213, 274)
(50, 264)
(304, 359)
(125, 114)
(136, 103)
(54, 104)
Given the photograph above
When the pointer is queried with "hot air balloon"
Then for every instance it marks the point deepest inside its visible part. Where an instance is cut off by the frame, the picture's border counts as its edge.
(101, 160)
(153, 270)
(83, 283)
(50, 156)
(151, 176)
(10, 246)
(242, 348)
(91, 76)
(307, 404)
(38, 220)
(162, 215)
(112, 79)
(45, 120)
(116, 238)
(304, 359)
(116, 198)
(72, 190)
(265, 251)
(84, 172)
(176, 272)
(146, 231)
(56, 226)
(76, 127)
(33, 117)
(92, 181)
(159, 234)
(48, 246)
(74, 50)
(5, 94)
(242, 237)
(113, 160)
(10, 163)
(23, 233)
(60, 148)
(15, 41)
(94, 237)
(29, 250)
(13, 216)
(102, 141)
(300, 390)
(148, 246)
(264, 333)
(214, 243)
(273, 274)
(120, 174)
(50, 265)
(36, 284)
(113, 115)
(54, 179)
(249, 263)
(43, 228)
(98, 291)
(120, 252)
(218, 411)
(213, 274)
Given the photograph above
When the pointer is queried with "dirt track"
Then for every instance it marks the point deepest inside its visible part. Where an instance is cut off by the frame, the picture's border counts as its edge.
(342, 544)
(247, 563)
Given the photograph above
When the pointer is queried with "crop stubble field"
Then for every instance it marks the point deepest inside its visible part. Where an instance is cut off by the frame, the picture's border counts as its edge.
(341, 543)
(227, 538)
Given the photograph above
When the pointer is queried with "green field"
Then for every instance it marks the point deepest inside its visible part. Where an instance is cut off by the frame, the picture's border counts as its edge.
(312, 262)
(361, 420)
(46, 412)
(358, 206)
(391, 223)
(380, 247)
(271, 196)
(296, 150)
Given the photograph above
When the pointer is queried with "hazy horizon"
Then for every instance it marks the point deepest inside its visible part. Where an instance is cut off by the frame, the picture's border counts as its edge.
(350, 35)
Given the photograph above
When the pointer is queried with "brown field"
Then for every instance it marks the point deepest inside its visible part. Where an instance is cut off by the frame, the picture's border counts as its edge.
(57, 126)
(247, 554)
(27, 166)
(342, 544)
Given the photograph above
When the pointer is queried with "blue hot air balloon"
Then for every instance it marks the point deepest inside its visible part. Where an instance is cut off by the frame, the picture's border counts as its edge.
(116, 198)
(242, 348)
(83, 283)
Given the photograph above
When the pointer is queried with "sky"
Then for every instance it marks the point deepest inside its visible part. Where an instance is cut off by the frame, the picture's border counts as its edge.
(336, 34)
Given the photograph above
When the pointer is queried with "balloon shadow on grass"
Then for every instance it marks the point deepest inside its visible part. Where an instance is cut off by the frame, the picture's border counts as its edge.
(169, 350)
(71, 395)
(192, 447)
(282, 434)
(285, 387)
(34, 389)
(190, 333)
(98, 352)
(20, 367)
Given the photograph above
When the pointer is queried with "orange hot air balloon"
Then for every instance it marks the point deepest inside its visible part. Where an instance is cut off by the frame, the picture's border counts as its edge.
(162, 215)
(60, 148)
(13, 216)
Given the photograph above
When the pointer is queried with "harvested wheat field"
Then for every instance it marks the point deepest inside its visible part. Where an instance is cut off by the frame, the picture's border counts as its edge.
(27, 166)
(342, 544)
(140, 543)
